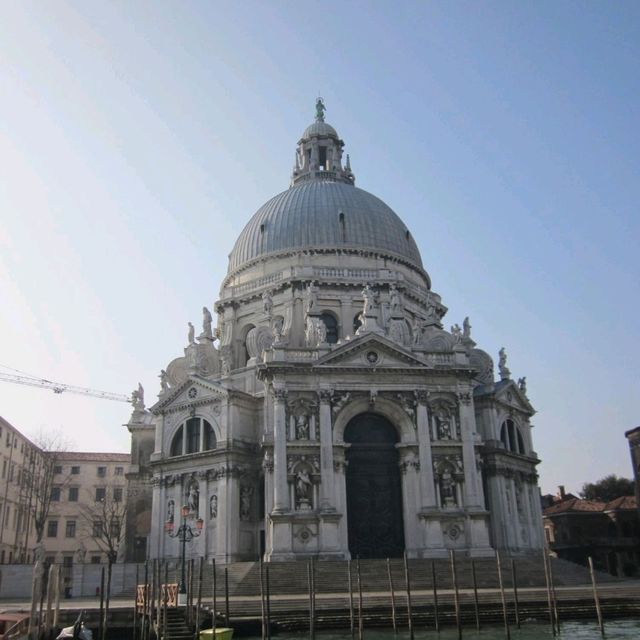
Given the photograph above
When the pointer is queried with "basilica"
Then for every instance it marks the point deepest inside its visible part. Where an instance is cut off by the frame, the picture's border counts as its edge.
(329, 412)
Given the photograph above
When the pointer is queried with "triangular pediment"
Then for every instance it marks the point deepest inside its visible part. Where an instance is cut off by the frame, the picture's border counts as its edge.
(371, 350)
(508, 393)
(193, 389)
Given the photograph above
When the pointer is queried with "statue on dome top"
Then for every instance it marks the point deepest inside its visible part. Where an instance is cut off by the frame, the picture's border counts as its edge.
(466, 328)
(320, 109)
(206, 323)
(504, 371)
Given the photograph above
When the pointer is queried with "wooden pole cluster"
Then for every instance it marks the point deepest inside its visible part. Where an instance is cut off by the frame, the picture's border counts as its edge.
(456, 595)
(435, 596)
(360, 611)
(475, 594)
(351, 617)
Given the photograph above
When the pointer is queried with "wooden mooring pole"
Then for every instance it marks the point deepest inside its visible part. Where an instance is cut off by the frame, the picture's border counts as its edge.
(268, 605)
(312, 631)
(101, 625)
(514, 583)
(263, 615)
(554, 599)
(456, 594)
(407, 581)
(548, 584)
(505, 615)
(196, 634)
(135, 603)
(596, 598)
(360, 608)
(393, 598)
(165, 600)
(351, 622)
(226, 595)
(475, 593)
(145, 604)
(435, 596)
(214, 597)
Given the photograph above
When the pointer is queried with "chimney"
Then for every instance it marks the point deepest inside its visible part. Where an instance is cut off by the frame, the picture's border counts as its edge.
(561, 492)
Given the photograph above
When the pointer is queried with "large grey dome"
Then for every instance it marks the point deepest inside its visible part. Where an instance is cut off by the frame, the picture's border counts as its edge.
(308, 216)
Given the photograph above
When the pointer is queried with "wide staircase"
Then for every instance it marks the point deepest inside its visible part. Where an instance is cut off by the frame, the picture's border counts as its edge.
(291, 578)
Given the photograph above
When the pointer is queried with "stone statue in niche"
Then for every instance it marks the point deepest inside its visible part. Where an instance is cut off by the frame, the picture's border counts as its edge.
(267, 303)
(171, 510)
(302, 426)
(206, 323)
(396, 301)
(193, 496)
(315, 332)
(443, 425)
(225, 360)
(370, 300)
(213, 506)
(417, 328)
(310, 300)
(303, 489)
(448, 496)
(245, 502)
(278, 324)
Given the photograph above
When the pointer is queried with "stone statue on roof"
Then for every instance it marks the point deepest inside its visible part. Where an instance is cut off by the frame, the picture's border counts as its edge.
(320, 109)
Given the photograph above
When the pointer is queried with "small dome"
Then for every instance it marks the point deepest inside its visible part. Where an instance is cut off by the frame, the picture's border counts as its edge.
(321, 214)
(319, 129)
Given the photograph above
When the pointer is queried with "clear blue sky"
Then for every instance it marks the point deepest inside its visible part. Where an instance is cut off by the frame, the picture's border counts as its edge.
(137, 139)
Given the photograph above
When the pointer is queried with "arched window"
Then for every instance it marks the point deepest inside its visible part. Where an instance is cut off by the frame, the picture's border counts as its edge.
(331, 323)
(511, 437)
(199, 437)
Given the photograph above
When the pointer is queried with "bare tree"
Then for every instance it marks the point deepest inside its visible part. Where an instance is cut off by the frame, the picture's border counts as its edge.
(45, 479)
(103, 521)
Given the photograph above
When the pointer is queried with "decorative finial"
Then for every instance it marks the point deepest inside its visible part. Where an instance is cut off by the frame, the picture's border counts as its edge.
(320, 109)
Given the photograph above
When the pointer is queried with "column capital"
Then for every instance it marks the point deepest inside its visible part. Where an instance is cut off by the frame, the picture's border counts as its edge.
(325, 395)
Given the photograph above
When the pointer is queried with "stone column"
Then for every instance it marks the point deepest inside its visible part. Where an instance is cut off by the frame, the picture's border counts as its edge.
(427, 485)
(473, 495)
(326, 453)
(346, 318)
(280, 489)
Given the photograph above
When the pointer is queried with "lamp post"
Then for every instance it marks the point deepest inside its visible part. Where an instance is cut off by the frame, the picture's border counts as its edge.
(185, 533)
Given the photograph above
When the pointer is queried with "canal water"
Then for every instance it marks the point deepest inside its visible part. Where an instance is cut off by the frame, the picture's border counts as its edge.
(626, 629)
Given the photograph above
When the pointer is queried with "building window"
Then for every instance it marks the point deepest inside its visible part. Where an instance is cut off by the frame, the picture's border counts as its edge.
(57, 468)
(117, 494)
(52, 529)
(97, 528)
(55, 494)
(70, 531)
(75, 471)
(114, 528)
(199, 437)
(102, 472)
(331, 323)
(95, 559)
(73, 494)
(101, 494)
(118, 471)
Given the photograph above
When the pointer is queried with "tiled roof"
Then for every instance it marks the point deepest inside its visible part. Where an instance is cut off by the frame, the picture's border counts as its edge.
(81, 456)
(576, 505)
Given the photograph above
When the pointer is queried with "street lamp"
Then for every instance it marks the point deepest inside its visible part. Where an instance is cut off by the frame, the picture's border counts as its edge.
(185, 533)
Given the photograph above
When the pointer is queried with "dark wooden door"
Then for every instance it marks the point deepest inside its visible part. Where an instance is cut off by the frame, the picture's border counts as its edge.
(374, 492)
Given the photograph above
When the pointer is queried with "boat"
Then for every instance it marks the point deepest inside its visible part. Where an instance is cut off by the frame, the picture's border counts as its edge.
(221, 633)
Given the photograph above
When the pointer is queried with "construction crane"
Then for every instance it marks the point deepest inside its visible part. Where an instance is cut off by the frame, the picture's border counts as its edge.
(58, 387)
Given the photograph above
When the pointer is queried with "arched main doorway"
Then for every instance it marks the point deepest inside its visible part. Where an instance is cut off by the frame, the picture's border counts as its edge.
(374, 492)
